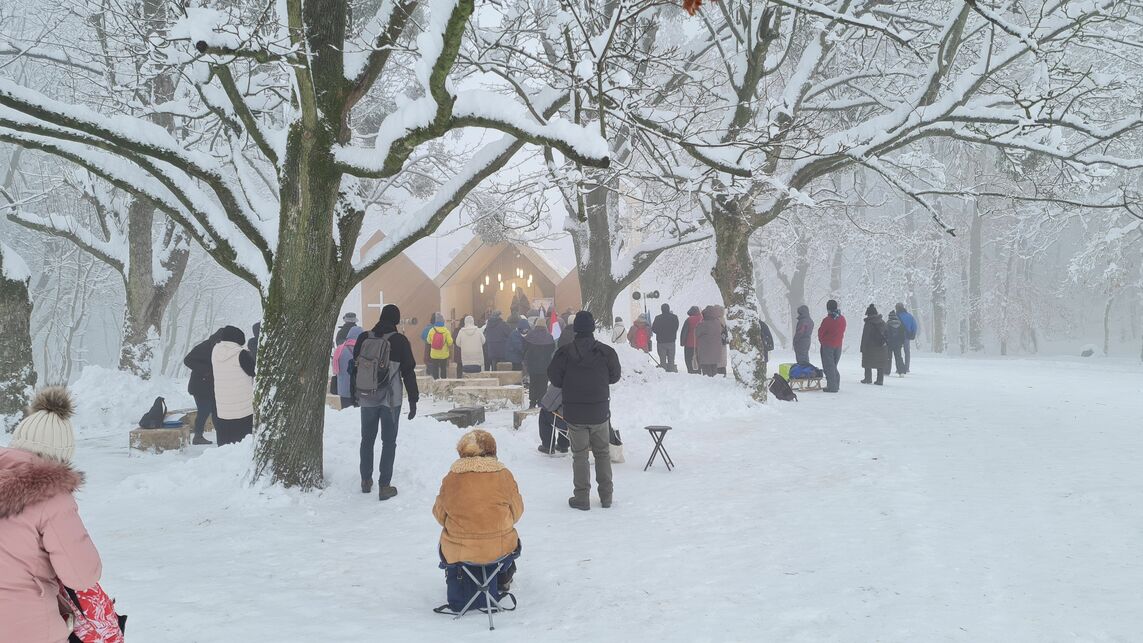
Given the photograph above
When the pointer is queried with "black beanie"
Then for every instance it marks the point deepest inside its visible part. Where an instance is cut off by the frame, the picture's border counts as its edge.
(831, 305)
(390, 315)
(584, 323)
(871, 311)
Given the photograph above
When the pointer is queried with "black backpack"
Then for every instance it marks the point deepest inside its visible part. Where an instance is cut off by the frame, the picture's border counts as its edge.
(767, 338)
(780, 389)
(153, 419)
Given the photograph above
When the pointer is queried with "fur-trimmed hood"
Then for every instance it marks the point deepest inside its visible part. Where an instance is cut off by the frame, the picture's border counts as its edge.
(487, 464)
(27, 479)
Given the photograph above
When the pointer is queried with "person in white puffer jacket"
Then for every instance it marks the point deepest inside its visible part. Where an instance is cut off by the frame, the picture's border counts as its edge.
(233, 386)
(470, 340)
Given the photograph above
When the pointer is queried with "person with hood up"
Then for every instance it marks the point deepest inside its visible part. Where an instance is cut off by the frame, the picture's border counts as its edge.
(666, 330)
(470, 341)
(43, 541)
(496, 333)
(830, 336)
(894, 340)
(201, 385)
(618, 331)
(478, 506)
(233, 386)
(910, 324)
(708, 342)
(688, 340)
(342, 362)
(803, 331)
(516, 344)
(639, 335)
(439, 340)
(874, 354)
(585, 371)
(349, 321)
(381, 407)
(539, 346)
(252, 344)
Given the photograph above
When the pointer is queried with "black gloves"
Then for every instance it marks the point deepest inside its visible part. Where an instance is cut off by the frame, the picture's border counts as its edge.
(412, 409)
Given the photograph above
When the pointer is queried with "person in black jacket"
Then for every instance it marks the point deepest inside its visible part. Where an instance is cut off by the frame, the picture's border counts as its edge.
(383, 405)
(350, 320)
(201, 385)
(666, 329)
(252, 343)
(585, 369)
(538, 350)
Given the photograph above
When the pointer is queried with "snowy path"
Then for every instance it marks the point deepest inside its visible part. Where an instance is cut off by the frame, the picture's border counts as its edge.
(931, 509)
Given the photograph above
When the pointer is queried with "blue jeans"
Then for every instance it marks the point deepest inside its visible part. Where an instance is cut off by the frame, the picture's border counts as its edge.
(387, 418)
(830, 358)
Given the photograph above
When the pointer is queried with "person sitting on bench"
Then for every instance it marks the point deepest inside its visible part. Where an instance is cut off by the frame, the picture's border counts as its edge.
(478, 506)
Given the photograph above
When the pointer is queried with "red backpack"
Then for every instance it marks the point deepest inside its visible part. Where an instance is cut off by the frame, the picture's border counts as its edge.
(438, 341)
(642, 337)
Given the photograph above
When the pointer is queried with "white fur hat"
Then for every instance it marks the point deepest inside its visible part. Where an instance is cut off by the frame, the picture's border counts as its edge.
(46, 430)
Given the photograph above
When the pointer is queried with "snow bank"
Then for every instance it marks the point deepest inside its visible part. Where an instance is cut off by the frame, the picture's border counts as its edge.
(13, 265)
(111, 402)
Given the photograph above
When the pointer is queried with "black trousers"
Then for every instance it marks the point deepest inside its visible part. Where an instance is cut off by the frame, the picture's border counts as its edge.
(232, 431)
(537, 386)
(204, 403)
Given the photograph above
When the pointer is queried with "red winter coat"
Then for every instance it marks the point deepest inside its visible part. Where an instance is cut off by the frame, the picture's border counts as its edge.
(831, 331)
(688, 335)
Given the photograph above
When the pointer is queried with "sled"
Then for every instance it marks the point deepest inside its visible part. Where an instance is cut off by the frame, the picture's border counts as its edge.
(807, 383)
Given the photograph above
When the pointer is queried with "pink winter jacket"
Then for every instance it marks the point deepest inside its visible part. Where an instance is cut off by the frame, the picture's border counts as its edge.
(42, 539)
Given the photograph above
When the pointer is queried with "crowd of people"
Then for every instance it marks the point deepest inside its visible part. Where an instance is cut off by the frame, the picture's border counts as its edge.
(222, 383)
(881, 340)
(703, 337)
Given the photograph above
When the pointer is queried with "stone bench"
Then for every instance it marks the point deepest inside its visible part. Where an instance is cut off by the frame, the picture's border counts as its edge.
(520, 417)
(507, 378)
(444, 388)
(189, 417)
(499, 396)
(463, 416)
(159, 440)
(503, 366)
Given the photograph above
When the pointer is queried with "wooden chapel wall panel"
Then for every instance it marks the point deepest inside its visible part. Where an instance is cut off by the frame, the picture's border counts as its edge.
(405, 285)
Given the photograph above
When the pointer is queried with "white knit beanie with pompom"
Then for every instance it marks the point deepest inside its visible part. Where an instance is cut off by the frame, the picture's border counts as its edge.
(46, 430)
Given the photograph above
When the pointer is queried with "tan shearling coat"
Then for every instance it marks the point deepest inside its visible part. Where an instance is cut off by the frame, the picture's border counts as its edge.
(479, 505)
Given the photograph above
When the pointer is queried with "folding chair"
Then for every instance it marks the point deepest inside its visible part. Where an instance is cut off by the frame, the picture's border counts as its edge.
(558, 432)
(482, 575)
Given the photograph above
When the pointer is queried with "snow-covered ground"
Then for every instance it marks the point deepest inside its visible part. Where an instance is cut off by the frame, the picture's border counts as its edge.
(975, 500)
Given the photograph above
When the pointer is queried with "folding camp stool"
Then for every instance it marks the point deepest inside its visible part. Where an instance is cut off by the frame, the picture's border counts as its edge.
(483, 581)
(657, 434)
(558, 433)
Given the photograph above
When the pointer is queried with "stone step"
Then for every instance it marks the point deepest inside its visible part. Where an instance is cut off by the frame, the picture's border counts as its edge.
(503, 366)
(421, 370)
(424, 384)
(507, 378)
(333, 401)
(463, 416)
(444, 388)
(519, 417)
(159, 440)
(488, 395)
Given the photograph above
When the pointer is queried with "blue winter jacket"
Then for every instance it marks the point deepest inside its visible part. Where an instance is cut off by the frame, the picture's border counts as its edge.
(909, 322)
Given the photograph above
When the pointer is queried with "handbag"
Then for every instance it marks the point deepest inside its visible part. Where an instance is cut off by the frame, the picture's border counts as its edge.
(615, 446)
(91, 615)
(333, 385)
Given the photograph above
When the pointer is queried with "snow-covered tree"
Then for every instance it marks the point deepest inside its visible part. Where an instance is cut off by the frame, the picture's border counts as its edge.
(282, 112)
(17, 373)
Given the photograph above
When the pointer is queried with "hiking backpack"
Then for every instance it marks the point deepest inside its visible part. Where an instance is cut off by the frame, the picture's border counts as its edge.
(153, 419)
(372, 364)
(642, 338)
(438, 340)
(780, 389)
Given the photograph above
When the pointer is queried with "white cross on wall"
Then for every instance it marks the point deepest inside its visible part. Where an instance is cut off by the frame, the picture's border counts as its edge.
(380, 301)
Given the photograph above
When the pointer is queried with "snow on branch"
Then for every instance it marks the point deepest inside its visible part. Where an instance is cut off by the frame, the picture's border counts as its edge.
(112, 252)
(46, 53)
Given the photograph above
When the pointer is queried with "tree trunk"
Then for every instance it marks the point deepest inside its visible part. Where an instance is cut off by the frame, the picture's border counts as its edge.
(299, 315)
(17, 372)
(940, 310)
(835, 271)
(147, 297)
(1107, 325)
(734, 273)
(593, 241)
(975, 300)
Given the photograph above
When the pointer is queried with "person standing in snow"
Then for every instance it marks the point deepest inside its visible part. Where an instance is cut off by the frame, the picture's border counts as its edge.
(688, 340)
(585, 370)
(538, 350)
(666, 330)
(803, 331)
(478, 507)
(830, 336)
(894, 340)
(874, 354)
(350, 321)
(439, 340)
(342, 364)
(233, 386)
(910, 324)
(708, 342)
(470, 342)
(381, 407)
(618, 331)
(639, 335)
(496, 333)
(201, 385)
(516, 344)
(252, 345)
(43, 541)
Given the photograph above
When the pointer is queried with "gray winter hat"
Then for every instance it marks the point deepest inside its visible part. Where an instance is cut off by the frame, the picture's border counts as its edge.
(350, 318)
